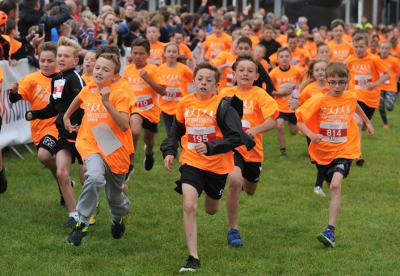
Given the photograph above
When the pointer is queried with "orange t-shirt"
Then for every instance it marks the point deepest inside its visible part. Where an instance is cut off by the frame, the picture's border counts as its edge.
(146, 98)
(257, 107)
(299, 57)
(184, 50)
(1, 75)
(87, 79)
(340, 52)
(264, 64)
(15, 45)
(282, 39)
(227, 78)
(395, 52)
(199, 118)
(36, 89)
(254, 40)
(214, 45)
(156, 53)
(309, 91)
(283, 80)
(337, 125)
(394, 65)
(177, 80)
(369, 52)
(348, 38)
(96, 114)
(362, 72)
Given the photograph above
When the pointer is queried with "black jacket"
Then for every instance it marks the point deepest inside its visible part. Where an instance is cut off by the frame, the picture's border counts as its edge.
(229, 113)
(72, 87)
(29, 17)
(272, 47)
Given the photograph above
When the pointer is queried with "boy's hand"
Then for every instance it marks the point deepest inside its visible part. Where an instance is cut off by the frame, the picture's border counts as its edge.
(143, 74)
(316, 138)
(168, 160)
(371, 85)
(293, 104)
(29, 116)
(252, 132)
(105, 94)
(370, 129)
(69, 127)
(13, 88)
(201, 148)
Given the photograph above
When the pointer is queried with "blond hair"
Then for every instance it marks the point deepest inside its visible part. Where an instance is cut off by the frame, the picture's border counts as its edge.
(309, 78)
(64, 41)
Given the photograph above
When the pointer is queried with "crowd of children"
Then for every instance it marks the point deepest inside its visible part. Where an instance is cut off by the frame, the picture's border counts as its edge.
(326, 83)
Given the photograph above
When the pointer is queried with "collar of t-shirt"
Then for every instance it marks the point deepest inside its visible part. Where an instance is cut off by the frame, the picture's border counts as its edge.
(284, 70)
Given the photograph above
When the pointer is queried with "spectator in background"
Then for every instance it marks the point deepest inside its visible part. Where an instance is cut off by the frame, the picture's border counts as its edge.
(129, 13)
(269, 43)
(11, 8)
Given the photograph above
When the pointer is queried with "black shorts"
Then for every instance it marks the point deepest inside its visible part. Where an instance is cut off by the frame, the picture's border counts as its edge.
(48, 142)
(369, 111)
(340, 165)
(147, 124)
(64, 144)
(213, 184)
(250, 170)
(291, 117)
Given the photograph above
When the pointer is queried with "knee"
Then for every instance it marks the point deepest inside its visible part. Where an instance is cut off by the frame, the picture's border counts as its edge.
(44, 158)
(63, 176)
(95, 177)
(280, 128)
(211, 211)
(249, 192)
(189, 207)
(335, 187)
(235, 183)
(390, 107)
(135, 133)
(293, 131)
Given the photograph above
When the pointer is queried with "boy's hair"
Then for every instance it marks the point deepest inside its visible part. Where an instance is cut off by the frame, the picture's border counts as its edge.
(245, 57)
(393, 41)
(64, 41)
(171, 44)
(236, 34)
(302, 36)
(291, 35)
(338, 22)
(30, 3)
(218, 22)
(87, 14)
(64, 28)
(133, 26)
(262, 47)
(283, 49)
(48, 46)
(323, 28)
(155, 25)
(114, 58)
(336, 69)
(246, 23)
(11, 25)
(268, 27)
(321, 44)
(290, 27)
(177, 31)
(375, 42)
(209, 66)
(141, 42)
(385, 42)
(55, 10)
(360, 36)
(107, 49)
(246, 40)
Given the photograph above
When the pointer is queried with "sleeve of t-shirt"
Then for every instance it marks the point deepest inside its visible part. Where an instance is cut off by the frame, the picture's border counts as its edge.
(220, 59)
(268, 106)
(381, 66)
(395, 69)
(307, 110)
(156, 76)
(121, 103)
(180, 113)
(24, 87)
(188, 74)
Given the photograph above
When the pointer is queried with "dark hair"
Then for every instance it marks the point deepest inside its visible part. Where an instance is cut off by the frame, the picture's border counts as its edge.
(166, 15)
(48, 46)
(209, 66)
(30, 3)
(133, 26)
(141, 42)
(114, 58)
(245, 39)
(291, 35)
(8, 5)
(11, 25)
(244, 57)
(107, 49)
(187, 20)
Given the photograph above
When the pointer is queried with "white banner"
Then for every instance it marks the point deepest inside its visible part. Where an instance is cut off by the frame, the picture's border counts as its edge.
(15, 129)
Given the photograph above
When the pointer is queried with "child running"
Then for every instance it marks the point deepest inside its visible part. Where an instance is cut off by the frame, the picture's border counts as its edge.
(36, 89)
(177, 76)
(88, 65)
(105, 143)
(208, 131)
(259, 114)
(64, 88)
(335, 142)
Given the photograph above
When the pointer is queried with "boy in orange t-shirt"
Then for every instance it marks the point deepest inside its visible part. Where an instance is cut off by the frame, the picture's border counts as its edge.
(335, 142)
(105, 143)
(184, 50)
(218, 41)
(36, 89)
(156, 47)
(340, 49)
(285, 78)
(147, 84)
(365, 79)
(388, 88)
(259, 114)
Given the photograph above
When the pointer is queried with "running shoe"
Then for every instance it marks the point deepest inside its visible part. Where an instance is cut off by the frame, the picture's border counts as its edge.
(92, 219)
(191, 265)
(3, 180)
(318, 191)
(80, 231)
(148, 161)
(117, 228)
(130, 172)
(234, 239)
(327, 237)
(283, 156)
(71, 222)
(360, 161)
(385, 126)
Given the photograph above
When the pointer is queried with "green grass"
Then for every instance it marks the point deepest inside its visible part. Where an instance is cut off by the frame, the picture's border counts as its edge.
(279, 224)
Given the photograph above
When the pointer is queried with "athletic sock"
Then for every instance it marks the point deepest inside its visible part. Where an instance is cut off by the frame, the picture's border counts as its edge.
(74, 215)
(283, 150)
(332, 228)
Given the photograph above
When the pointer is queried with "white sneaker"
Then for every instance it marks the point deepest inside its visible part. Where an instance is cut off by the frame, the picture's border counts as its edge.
(318, 191)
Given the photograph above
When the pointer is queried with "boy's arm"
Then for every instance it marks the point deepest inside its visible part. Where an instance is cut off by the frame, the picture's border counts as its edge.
(266, 78)
(382, 79)
(267, 125)
(45, 113)
(170, 145)
(75, 104)
(13, 93)
(120, 118)
(316, 138)
(360, 112)
(156, 87)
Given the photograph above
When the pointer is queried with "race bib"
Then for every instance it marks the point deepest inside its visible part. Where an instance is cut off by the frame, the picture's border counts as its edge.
(172, 94)
(214, 54)
(387, 81)
(295, 61)
(230, 80)
(245, 125)
(333, 132)
(144, 102)
(200, 135)
(58, 88)
(286, 87)
(361, 81)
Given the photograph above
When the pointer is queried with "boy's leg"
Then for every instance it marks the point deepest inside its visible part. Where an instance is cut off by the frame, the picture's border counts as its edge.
(190, 197)
(335, 188)
(382, 108)
(135, 123)
(232, 196)
(280, 132)
(168, 119)
(390, 100)
(293, 128)
(148, 138)
(63, 163)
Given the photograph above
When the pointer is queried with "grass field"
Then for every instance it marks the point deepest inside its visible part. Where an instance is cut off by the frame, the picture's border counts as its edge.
(279, 224)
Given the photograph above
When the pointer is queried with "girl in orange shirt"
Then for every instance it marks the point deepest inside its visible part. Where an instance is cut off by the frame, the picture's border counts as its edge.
(177, 76)
(106, 156)
(88, 65)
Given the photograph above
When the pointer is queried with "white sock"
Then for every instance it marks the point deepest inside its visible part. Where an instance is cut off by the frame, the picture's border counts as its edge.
(74, 215)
